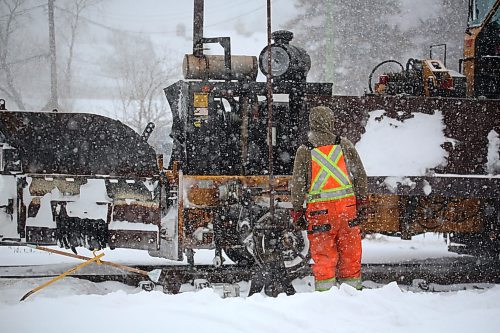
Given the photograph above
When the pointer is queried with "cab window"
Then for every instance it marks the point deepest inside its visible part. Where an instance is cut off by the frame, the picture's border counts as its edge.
(478, 9)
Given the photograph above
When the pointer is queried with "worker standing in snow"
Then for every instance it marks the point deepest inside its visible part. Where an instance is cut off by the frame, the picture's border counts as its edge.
(329, 177)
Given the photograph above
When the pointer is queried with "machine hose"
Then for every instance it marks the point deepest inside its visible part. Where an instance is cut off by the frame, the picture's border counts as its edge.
(376, 67)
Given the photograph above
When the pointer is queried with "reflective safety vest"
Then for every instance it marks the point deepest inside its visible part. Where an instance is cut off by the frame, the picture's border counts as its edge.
(330, 178)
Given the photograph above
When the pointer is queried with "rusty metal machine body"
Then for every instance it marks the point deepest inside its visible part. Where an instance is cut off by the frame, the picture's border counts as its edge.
(85, 180)
(464, 200)
(220, 160)
(220, 144)
(459, 198)
(78, 180)
(216, 190)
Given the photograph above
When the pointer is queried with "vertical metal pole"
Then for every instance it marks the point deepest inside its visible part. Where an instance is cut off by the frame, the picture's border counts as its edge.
(270, 112)
(330, 56)
(444, 55)
(53, 103)
(198, 27)
(245, 106)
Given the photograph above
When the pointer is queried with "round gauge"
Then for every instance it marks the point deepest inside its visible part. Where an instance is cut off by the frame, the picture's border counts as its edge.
(280, 61)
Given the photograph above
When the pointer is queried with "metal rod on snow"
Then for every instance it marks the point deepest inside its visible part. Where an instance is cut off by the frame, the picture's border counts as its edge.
(77, 256)
(153, 275)
(270, 112)
(68, 272)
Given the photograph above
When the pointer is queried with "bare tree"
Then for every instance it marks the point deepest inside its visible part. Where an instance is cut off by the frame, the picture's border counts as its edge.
(346, 39)
(53, 103)
(71, 13)
(141, 75)
(24, 50)
(448, 26)
(8, 24)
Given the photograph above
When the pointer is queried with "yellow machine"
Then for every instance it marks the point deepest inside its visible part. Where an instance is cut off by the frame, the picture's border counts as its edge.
(431, 77)
(428, 78)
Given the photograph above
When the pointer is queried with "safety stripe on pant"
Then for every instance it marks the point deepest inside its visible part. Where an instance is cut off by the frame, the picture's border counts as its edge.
(353, 282)
(324, 285)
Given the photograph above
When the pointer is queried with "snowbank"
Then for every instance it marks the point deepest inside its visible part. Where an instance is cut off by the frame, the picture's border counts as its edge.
(81, 306)
(391, 147)
(493, 164)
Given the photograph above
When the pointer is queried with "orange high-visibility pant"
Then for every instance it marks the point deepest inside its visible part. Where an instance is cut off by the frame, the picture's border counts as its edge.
(335, 247)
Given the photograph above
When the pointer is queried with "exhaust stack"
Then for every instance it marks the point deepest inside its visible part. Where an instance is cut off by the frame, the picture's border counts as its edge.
(198, 66)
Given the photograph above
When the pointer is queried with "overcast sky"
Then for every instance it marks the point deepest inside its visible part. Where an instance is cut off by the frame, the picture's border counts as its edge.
(163, 16)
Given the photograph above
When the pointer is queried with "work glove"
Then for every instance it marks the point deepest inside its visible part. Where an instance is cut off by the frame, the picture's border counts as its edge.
(362, 211)
(363, 201)
(299, 219)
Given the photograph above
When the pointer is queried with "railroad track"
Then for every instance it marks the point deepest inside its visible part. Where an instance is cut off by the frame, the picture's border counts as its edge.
(442, 274)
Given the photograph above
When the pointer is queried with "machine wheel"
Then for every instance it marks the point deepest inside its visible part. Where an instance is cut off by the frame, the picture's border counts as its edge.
(294, 247)
(235, 247)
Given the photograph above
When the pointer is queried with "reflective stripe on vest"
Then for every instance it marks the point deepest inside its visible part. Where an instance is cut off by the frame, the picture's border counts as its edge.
(331, 181)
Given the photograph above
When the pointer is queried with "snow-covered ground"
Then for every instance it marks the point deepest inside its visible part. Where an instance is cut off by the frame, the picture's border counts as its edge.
(81, 306)
(73, 305)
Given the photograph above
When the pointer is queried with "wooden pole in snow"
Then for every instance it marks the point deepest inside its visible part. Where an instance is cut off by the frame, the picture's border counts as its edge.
(53, 102)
